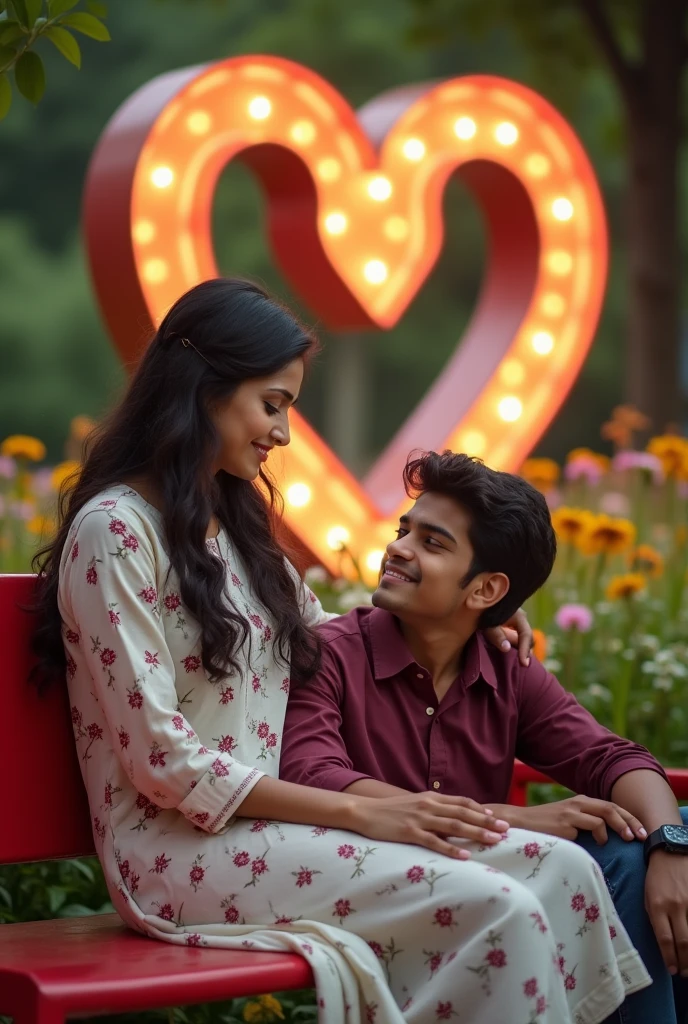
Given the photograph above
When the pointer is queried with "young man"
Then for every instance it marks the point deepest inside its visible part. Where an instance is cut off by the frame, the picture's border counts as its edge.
(410, 698)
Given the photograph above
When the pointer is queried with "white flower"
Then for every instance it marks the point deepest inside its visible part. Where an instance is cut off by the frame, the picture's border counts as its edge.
(649, 667)
(615, 645)
(663, 683)
(628, 654)
(316, 575)
(599, 692)
(650, 641)
(354, 598)
(552, 665)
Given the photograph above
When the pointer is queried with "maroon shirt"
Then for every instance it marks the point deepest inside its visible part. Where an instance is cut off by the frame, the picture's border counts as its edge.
(371, 712)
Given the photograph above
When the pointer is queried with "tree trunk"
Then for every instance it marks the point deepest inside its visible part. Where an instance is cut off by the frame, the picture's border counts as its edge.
(652, 219)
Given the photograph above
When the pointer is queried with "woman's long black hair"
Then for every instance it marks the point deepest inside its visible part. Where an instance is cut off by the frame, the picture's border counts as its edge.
(162, 429)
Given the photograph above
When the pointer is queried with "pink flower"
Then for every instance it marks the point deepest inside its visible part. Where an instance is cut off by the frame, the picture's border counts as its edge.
(166, 912)
(114, 618)
(576, 617)
(444, 1011)
(117, 526)
(75, 550)
(72, 637)
(191, 663)
(530, 988)
(256, 620)
(77, 717)
(242, 858)
(134, 880)
(531, 849)
(201, 817)
(267, 633)
(539, 921)
(416, 873)
(346, 851)
(285, 685)
(613, 503)
(444, 917)
(149, 595)
(255, 683)
(94, 732)
(271, 741)
(172, 602)
(226, 695)
(263, 730)
(219, 768)
(226, 744)
(623, 461)
(161, 864)
(152, 659)
(578, 901)
(592, 913)
(259, 825)
(107, 656)
(377, 949)
(156, 758)
(91, 575)
(130, 542)
(197, 874)
(231, 915)
(342, 908)
(135, 698)
(71, 666)
(612, 931)
(194, 939)
(124, 869)
(541, 1005)
(178, 723)
(496, 958)
(304, 877)
(583, 468)
(569, 982)
(258, 866)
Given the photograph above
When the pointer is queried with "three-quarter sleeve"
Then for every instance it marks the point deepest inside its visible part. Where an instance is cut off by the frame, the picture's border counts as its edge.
(111, 596)
(559, 737)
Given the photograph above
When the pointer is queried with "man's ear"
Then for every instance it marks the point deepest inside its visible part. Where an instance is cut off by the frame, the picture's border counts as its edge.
(488, 588)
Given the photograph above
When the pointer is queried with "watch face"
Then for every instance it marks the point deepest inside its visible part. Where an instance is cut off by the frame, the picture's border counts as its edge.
(676, 835)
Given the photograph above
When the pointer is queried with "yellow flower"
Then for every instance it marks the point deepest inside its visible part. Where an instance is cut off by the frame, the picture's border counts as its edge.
(81, 427)
(541, 473)
(21, 446)
(603, 461)
(672, 452)
(263, 1010)
(571, 523)
(41, 526)
(63, 471)
(647, 559)
(272, 1004)
(625, 586)
(539, 644)
(607, 535)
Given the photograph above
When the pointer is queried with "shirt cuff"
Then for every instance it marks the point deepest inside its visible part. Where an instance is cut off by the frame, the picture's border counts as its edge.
(218, 795)
(631, 764)
(336, 779)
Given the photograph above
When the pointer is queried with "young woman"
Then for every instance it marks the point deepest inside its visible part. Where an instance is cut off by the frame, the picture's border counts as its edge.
(179, 623)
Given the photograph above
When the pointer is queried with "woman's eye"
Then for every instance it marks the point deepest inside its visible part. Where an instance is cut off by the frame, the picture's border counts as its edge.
(271, 410)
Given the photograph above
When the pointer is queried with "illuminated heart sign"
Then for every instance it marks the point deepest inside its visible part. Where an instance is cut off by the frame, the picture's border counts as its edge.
(355, 221)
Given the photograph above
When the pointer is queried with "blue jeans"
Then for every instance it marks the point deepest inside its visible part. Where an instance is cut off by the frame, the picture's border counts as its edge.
(666, 1000)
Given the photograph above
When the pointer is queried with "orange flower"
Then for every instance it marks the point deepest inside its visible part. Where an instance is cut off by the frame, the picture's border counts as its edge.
(21, 446)
(625, 586)
(672, 452)
(541, 473)
(539, 644)
(571, 524)
(625, 421)
(648, 560)
(607, 535)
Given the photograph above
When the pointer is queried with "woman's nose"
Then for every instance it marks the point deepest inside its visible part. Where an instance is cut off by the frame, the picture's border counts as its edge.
(280, 433)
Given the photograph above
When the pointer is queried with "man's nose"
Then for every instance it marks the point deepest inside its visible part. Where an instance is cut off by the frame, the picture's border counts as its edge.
(400, 547)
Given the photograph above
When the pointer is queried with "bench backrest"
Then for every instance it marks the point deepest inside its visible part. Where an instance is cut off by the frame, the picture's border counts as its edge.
(43, 808)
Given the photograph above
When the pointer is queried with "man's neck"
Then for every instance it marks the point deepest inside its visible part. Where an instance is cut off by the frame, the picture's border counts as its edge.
(439, 648)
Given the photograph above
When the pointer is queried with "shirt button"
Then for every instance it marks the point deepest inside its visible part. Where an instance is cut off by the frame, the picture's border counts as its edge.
(435, 785)
(429, 711)
(419, 675)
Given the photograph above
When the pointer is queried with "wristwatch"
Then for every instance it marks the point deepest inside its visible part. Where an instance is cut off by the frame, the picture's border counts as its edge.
(672, 838)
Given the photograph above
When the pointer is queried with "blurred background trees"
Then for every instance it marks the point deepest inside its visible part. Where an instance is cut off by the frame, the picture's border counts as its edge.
(56, 360)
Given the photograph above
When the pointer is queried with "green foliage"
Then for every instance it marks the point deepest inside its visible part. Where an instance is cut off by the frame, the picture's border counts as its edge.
(23, 23)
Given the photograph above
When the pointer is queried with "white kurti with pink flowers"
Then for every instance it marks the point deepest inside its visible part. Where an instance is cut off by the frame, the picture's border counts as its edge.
(522, 933)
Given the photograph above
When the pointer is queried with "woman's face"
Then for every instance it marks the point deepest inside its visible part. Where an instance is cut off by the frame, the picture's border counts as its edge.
(255, 419)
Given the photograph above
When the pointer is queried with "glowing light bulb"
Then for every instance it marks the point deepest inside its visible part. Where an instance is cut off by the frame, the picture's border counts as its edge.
(375, 271)
(562, 208)
(199, 122)
(473, 442)
(379, 188)
(336, 223)
(303, 132)
(396, 228)
(337, 537)
(510, 408)
(259, 108)
(537, 165)
(143, 231)
(374, 560)
(162, 177)
(512, 373)
(299, 495)
(542, 342)
(413, 149)
(155, 271)
(559, 262)
(506, 133)
(329, 169)
(465, 128)
(552, 304)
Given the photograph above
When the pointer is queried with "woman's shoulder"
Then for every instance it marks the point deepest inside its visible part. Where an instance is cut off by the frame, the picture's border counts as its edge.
(123, 516)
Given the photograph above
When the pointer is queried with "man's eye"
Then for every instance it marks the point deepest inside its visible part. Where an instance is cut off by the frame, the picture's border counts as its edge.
(271, 410)
(400, 532)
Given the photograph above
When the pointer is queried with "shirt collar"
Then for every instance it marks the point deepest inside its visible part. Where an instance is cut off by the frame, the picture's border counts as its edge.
(391, 654)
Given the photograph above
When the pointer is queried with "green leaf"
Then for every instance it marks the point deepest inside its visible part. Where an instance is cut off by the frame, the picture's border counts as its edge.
(4, 893)
(29, 74)
(56, 897)
(10, 32)
(7, 55)
(88, 25)
(21, 11)
(96, 7)
(57, 7)
(81, 866)
(5, 96)
(33, 10)
(65, 43)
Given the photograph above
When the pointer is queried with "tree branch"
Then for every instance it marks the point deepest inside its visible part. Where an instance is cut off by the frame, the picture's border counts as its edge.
(626, 73)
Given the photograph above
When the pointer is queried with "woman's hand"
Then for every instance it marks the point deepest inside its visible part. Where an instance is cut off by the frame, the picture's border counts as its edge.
(428, 819)
(516, 632)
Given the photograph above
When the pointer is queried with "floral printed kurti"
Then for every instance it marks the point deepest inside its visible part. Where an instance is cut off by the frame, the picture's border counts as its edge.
(524, 933)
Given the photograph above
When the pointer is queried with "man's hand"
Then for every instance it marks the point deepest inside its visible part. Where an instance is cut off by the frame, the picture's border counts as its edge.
(566, 818)
(666, 901)
(515, 632)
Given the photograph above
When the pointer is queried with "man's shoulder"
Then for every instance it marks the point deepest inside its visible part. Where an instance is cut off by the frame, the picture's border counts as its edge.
(347, 629)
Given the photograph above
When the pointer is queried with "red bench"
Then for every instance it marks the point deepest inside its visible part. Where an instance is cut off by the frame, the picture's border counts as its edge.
(53, 969)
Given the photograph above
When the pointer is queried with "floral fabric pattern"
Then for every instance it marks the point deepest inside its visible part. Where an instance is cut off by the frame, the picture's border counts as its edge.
(524, 932)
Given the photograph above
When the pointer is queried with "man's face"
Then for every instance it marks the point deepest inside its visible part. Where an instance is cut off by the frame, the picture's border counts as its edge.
(421, 575)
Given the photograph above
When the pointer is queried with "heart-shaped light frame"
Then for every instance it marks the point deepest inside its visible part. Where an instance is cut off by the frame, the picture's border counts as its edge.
(355, 220)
